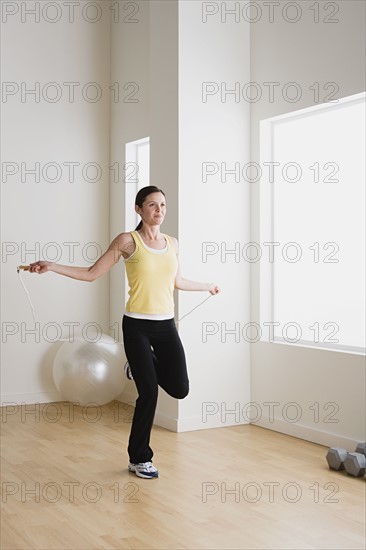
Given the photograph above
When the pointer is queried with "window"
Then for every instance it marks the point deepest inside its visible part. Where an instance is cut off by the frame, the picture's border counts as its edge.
(137, 175)
(312, 217)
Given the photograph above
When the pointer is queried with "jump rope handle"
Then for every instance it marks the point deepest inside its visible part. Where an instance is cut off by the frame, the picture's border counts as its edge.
(23, 267)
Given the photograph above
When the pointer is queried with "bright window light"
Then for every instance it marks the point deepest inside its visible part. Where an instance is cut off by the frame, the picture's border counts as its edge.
(312, 215)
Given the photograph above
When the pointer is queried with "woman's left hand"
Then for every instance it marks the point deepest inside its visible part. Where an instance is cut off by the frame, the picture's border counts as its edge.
(214, 289)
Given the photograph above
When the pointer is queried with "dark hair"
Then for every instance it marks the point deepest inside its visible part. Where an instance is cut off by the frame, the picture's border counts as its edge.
(141, 196)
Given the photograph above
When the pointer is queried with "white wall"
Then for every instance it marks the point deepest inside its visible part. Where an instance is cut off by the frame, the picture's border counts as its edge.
(45, 212)
(319, 382)
(217, 131)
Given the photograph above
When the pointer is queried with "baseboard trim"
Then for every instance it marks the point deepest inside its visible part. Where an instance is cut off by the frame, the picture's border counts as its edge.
(320, 437)
(51, 396)
(128, 397)
(179, 425)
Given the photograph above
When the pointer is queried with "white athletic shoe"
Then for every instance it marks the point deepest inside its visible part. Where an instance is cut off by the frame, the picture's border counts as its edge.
(128, 372)
(144, 469)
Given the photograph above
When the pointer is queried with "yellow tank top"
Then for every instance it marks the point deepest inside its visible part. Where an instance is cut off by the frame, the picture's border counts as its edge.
(151, 278)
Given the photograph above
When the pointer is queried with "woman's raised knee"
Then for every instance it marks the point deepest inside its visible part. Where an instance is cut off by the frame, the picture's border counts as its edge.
(181, 393)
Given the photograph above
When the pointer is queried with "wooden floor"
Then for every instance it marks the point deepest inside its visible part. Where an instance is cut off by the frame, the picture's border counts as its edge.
(65, 486)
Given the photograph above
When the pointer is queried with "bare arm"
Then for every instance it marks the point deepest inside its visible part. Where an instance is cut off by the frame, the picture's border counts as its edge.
(122, 245)
(185, 284)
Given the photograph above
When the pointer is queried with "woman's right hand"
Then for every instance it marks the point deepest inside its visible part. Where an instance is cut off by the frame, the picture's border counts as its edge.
(40, 267)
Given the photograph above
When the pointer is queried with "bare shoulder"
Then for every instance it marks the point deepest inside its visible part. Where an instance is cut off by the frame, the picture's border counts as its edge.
(124, 243)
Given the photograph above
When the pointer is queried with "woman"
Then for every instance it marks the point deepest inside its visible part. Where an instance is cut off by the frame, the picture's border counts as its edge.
(152, 344)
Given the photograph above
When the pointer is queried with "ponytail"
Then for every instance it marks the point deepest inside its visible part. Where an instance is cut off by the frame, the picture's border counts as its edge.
(139, 226)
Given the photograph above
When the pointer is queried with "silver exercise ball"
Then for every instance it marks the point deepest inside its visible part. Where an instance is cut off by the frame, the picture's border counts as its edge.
(86, 372)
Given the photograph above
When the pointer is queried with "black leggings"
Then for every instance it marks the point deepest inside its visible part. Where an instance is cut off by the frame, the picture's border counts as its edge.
(164, 366)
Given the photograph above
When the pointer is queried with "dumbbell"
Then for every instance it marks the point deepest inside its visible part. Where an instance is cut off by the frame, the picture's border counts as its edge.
(361, 448)
(354, 463)
(336, 457)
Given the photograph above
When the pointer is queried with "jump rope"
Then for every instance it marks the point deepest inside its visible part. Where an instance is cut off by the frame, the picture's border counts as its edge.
(26, 268)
